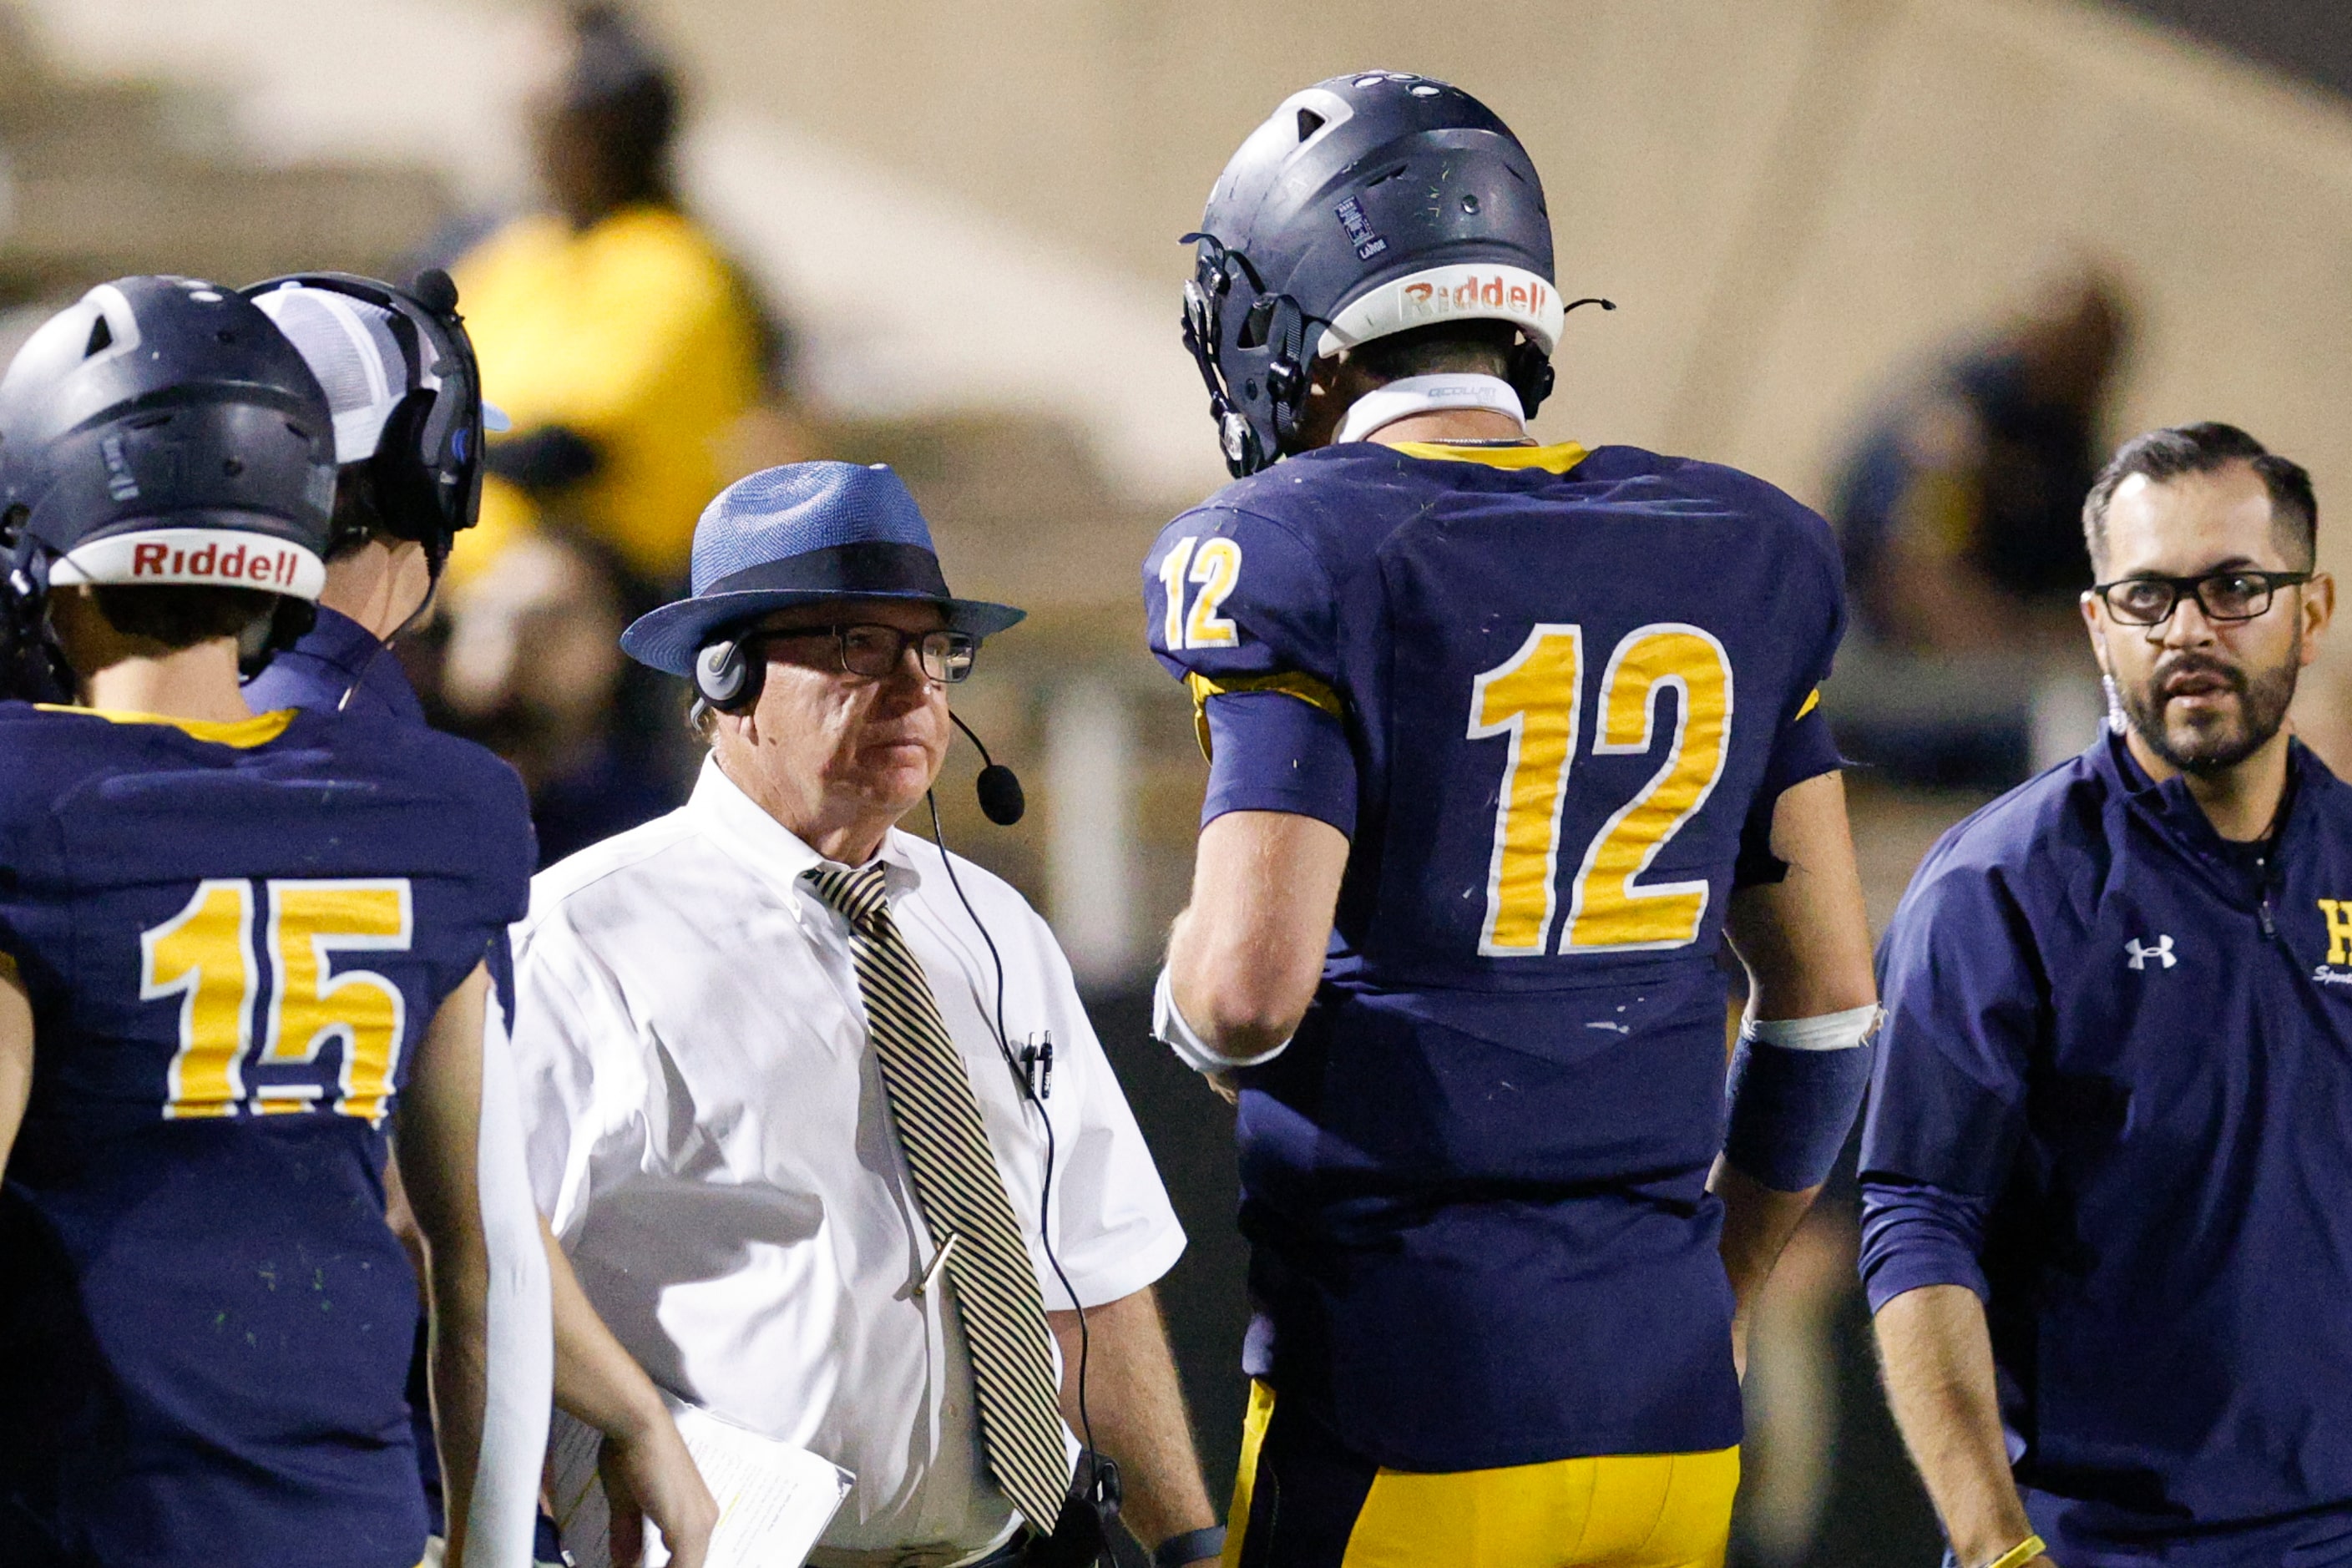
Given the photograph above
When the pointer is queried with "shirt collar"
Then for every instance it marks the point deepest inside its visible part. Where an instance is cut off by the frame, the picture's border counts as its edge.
(770, 848)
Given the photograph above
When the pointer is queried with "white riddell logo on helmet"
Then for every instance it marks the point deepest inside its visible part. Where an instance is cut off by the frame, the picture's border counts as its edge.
(234, 564)
(1429, 302)
(2140, 952)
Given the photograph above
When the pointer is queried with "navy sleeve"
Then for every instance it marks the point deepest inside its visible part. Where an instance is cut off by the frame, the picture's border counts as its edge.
(1249, 598)
(15, 913)
(502, 978)
(1790, 1110)
(1915, 1234)
(1803, 748)
(1271, 751)
(487, 797)
(35, 928)
(510, 846)
(1966, 1005)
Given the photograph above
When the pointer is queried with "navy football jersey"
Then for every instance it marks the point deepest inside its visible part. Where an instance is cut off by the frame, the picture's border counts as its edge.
(1560, 691)
(233, 936)
(339, 666)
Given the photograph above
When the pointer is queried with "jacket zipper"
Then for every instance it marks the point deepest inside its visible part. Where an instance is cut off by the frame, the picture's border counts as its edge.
(2271, 879)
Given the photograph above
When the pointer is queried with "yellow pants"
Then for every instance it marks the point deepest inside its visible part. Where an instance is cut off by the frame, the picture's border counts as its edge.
(1302, 1501)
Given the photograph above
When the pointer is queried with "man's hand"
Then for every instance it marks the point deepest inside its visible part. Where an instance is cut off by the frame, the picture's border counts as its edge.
(648, 1475)
(1138, 1413)
(1937, 1355)
(1757, 1225)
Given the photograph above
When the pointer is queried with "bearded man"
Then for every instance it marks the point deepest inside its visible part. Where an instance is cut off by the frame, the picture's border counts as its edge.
(2107, 1227)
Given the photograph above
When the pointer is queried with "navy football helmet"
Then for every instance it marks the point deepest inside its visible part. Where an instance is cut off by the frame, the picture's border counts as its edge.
(160, 431)
(422, 436)
(1368, 205)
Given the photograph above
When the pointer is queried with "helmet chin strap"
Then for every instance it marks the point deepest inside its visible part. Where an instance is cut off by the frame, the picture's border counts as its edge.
(1429, 394)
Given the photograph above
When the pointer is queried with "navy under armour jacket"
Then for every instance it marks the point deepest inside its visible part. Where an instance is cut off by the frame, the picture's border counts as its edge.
(2113, 1099)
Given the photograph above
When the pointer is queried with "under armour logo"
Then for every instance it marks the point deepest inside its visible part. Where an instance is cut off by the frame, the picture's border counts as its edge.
(2141, 952)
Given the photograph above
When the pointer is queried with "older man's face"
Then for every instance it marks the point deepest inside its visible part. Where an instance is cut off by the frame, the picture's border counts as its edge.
(838, 741)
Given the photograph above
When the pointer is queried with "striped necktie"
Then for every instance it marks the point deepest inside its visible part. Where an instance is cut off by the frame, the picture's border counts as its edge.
(964, 1202)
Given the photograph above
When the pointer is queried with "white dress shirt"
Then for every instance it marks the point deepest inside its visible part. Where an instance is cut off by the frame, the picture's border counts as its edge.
(707, 1132)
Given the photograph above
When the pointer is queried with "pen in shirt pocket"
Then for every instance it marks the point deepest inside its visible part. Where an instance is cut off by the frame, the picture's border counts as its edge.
(1037, 1066)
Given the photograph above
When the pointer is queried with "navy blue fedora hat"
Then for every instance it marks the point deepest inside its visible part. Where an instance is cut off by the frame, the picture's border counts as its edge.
(802, 534)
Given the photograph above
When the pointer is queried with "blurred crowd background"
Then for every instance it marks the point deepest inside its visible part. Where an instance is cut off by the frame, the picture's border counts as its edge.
(1919, 262)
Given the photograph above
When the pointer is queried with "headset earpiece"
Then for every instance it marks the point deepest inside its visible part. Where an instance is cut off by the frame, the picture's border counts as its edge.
(406, 499)
(726, 676)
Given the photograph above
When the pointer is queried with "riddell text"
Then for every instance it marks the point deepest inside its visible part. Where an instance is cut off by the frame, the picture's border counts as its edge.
(1422, 300)
(235, 564)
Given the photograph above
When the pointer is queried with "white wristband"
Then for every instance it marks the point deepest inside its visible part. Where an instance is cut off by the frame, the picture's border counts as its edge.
(1169, 1027)
(1825, 1032)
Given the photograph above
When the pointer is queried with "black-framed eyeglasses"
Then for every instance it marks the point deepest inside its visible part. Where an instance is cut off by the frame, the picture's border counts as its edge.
(879, 652)
(2234, 593)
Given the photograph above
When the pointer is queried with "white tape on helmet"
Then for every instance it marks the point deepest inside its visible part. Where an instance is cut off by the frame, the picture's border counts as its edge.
(1467, 291)
(195, 557)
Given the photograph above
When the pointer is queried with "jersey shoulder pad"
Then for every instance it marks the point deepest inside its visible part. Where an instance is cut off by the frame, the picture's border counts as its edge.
(1760, 499)
(1232, 593)
(1791, 525)
(484, 809)
(46, 754)
(36, 767)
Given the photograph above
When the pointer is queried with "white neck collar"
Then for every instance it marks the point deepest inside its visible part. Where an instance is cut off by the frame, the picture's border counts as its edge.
(1427, 395)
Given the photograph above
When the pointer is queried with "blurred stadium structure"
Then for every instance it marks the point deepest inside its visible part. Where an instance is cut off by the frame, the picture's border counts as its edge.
(968, 214)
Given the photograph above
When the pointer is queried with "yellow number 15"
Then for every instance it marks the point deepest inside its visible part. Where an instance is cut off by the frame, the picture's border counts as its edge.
(1534, 698)
(204, 955)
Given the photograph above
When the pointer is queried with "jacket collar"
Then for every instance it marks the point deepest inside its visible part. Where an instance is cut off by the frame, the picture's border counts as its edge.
(2170, 806)
(356, 656)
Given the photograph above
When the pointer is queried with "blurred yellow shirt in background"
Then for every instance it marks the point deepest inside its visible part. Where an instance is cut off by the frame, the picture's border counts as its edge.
(633, 333)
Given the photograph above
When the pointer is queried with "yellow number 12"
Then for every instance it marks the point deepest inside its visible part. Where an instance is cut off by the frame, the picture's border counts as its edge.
(1534, 698)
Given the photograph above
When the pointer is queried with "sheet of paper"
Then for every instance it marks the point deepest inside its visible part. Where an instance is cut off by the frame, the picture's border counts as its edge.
(774, 1499)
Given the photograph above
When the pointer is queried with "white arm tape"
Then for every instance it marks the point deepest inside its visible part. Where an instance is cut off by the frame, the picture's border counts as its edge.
(1826, 1032)
(502, 1520)
(1169, 1027)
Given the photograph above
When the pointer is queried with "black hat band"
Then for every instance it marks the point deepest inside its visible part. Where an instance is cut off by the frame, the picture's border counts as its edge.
(885, 570)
